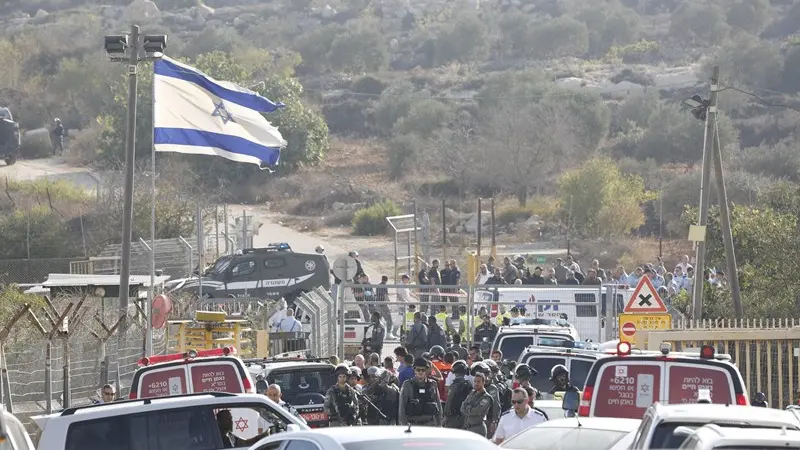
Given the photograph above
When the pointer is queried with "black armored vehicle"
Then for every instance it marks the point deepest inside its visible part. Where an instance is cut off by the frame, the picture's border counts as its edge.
(10, 138)
(271, 272)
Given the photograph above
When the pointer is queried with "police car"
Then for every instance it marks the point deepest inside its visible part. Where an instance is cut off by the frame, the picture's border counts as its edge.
(626, 383)
(667, 426)
(513, 340)
(377, 437)
(303, 384)
(578, 362)
(711, 437)
(167, 423)
(271, 272)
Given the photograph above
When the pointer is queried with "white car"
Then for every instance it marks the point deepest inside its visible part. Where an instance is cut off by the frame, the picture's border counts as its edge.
(15, 436)
(376, 437)
(168, 423)
(711, 437)
(662, 424)
(572, 434)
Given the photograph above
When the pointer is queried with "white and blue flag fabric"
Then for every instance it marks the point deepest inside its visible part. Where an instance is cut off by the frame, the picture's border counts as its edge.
(196, 114)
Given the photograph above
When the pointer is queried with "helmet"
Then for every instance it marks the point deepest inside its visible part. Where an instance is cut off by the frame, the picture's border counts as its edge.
(341, 369)
(557, 370)
(491, 365)
(422, 362)
(374, 371)
(459, 367)
(320, 249)
(480, 369)
(437, 351)
(426, 356)
(355, 372)
(524, 372)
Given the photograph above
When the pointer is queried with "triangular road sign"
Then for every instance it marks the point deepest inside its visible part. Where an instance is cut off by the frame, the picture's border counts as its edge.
(645, 299)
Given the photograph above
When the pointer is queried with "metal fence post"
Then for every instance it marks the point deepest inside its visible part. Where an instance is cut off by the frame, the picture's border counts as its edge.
(67, 400)
(340, 303)
(48, 377)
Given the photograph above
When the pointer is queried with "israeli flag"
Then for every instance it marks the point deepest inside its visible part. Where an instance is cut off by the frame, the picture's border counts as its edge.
(196, 114)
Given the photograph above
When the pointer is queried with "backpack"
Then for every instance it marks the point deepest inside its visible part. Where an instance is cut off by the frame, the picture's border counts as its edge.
(504, 393)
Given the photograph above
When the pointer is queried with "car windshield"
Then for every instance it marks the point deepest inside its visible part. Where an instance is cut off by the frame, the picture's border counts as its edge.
(543, 365)
(664, 436)
(303, 386)
(537, 438)
(555, 342)
(420, 444)
(512, 346)
(219, 266)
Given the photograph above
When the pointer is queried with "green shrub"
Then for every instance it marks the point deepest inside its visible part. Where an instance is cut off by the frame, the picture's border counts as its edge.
(371, 221)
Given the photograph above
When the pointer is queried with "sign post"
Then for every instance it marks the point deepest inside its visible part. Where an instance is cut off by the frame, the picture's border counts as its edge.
(644, 311)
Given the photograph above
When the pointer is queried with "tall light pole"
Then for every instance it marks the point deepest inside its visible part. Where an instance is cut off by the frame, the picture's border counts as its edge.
(131, 49)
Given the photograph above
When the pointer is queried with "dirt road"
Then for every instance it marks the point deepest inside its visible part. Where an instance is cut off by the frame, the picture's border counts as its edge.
(53, 169)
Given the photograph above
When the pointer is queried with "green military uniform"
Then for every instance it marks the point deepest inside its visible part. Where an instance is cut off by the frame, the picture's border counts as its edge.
(475, 408)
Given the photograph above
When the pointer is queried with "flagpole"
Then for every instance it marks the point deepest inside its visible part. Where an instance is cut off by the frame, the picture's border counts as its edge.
(152, 290)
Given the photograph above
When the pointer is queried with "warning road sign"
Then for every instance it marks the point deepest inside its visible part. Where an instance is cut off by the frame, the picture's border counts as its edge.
(645, 299)
(628, 329)
(630, 324)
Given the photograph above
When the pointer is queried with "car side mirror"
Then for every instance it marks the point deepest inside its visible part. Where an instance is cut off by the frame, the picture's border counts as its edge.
(571, 401)
(261, 386)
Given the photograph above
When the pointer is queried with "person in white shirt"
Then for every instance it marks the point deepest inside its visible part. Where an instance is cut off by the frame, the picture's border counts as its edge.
(279, 315)
(289, 324)
(483, 275)
(520, 418)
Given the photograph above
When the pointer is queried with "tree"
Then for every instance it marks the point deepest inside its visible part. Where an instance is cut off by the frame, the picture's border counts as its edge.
(557, 38)
(749, 15)
(609, 24)
(456, 152)
(360, 50)
(749, 61)
(526, 143)
(604, 202)
(695, 23)
(767, 284)
(465, 41)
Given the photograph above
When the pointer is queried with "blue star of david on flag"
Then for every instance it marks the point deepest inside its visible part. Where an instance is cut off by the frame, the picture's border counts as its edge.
(222, 113)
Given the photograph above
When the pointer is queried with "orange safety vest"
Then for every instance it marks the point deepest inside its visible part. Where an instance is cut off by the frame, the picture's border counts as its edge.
(445, 369)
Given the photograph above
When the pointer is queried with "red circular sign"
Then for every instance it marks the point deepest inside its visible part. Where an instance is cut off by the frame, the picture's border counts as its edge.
(161, 308)
(629, 329)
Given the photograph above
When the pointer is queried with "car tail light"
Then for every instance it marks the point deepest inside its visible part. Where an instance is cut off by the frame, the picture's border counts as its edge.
(623, 349)
(248, 387)
(741, 399)
(586, 401)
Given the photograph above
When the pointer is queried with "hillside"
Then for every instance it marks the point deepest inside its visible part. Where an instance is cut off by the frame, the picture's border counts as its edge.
(566, 112)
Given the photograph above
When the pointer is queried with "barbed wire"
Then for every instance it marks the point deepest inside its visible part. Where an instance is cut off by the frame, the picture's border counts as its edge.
(761, 99)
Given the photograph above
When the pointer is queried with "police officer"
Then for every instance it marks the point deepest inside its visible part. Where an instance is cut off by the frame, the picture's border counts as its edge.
(559, 376)
(522, 375)
(419, 398)
(378, 334)
(341, 403)
(498, 384)
(391, 398)
(486, 330)
(458, 348)
(494, 413)
(458, 392)
(760, 400)
(375, 392)
(478, 403)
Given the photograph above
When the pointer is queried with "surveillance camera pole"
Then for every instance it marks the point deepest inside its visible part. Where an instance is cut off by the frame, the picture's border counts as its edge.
(705, 197)
(127, 215)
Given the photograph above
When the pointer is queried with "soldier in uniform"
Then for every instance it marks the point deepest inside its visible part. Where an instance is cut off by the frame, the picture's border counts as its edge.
(478, 403)
(498, 383)
(419, 398)
(458, 392)
(559, 376)
(374, 391)
(522, 376)
(458, 348)
(341, 403)
(494, 413)
(391, 398)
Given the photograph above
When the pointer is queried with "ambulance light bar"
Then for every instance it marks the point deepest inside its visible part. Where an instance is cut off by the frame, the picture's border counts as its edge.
(188, 355)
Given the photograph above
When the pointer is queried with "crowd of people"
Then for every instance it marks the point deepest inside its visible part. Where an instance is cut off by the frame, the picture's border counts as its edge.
(453, 388)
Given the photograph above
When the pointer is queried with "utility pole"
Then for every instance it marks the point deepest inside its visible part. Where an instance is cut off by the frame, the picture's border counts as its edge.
(727, 235)
(705, 191)
(127, 215)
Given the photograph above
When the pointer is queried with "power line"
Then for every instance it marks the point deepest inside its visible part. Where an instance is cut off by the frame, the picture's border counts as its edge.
(760, 99)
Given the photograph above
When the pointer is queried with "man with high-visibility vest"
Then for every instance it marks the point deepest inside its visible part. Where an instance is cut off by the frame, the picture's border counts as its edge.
(441, 316)
(502, 315)
(439, 360)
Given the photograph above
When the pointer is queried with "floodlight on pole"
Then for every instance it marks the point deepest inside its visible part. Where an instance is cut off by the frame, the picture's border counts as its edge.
(133, 48)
